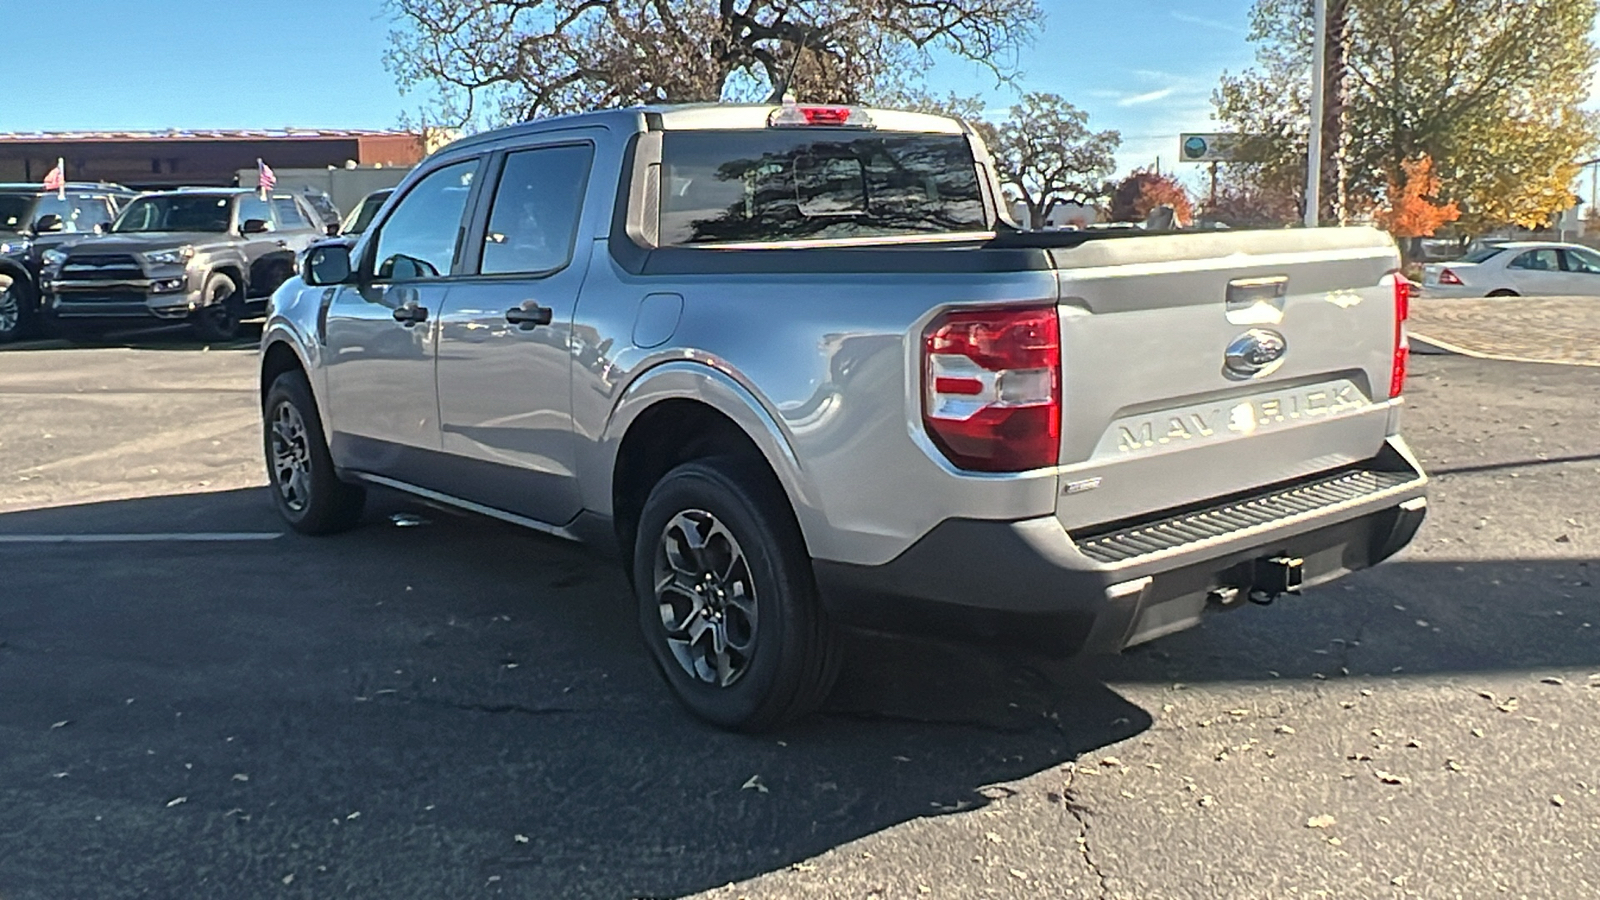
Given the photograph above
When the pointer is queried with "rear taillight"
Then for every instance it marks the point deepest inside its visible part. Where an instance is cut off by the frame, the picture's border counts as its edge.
(1402, 343)
(991, 392)
(1449, 277)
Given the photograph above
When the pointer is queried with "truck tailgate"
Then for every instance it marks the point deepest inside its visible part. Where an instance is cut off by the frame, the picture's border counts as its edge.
(1154, 416)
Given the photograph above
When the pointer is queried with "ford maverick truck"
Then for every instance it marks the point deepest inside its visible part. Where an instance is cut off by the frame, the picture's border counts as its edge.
(796, 367)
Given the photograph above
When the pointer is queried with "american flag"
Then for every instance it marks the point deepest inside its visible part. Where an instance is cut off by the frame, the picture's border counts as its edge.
(56, 179)
(266, 179)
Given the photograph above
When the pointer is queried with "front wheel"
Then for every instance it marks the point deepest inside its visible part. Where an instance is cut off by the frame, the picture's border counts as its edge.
(218, 320)
(305, 487)
(727, 602)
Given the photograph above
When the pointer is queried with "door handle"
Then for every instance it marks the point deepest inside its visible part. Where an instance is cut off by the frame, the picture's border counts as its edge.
(410, 314)
(529, 316)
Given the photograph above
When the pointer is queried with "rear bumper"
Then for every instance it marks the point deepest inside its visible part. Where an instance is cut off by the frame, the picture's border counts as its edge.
(1033, 584)
(1450, 291)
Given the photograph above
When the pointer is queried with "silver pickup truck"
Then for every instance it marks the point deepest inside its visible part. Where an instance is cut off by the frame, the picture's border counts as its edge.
(798, 370)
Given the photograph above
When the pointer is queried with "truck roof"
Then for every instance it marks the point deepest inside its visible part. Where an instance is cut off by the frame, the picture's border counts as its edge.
(709, 117)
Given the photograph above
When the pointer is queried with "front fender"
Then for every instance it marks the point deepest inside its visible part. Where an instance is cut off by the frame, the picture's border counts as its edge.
(686, 380)
(293, 320)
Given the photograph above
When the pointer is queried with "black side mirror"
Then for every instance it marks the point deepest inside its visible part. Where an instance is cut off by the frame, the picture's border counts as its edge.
(48, 224)
(327, 264)
(332, 229)
(255, 226)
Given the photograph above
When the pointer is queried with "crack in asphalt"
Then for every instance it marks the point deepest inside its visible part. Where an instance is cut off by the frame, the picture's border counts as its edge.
(490, 708)
(1080, 813)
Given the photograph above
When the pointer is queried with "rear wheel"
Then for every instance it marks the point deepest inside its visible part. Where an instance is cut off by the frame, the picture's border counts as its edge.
(1503, 293)
(16, 308)
(727, 602)
(218, 320)
(305, 487)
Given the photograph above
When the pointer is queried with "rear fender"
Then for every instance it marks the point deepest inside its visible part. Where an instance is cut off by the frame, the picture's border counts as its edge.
(683, 380)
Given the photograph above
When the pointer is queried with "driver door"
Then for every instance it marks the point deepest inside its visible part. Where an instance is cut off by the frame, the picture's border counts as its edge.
(381, 332)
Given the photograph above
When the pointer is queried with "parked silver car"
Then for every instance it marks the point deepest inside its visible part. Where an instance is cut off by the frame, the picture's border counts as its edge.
(1517, 269)
(791, 365)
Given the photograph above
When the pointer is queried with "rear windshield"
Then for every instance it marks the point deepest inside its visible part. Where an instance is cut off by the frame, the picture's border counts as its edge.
(1483, 255)
(795, 185)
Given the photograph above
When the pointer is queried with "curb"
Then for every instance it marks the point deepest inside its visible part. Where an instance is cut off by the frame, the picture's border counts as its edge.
(1439, 346)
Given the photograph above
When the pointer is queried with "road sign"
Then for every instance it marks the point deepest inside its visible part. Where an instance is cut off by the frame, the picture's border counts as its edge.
(1204, 148)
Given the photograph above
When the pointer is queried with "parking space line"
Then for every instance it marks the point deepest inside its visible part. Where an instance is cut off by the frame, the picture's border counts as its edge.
(136, 538)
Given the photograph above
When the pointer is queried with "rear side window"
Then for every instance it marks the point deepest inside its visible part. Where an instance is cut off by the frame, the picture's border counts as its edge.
(815, 184)
(534, 222)
(289, 215)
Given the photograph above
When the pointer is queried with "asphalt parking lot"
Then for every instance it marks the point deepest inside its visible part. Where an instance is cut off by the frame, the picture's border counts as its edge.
(456, 708)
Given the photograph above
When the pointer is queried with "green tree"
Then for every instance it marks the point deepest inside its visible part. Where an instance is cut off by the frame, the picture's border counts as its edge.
(1490, 90)
(1046, 154)
(496, 61)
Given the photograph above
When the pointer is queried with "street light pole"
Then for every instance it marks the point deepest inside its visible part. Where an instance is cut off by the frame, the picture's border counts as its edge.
(1319, 65)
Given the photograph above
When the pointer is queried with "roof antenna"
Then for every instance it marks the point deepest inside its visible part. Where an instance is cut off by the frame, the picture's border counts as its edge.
(780, 91)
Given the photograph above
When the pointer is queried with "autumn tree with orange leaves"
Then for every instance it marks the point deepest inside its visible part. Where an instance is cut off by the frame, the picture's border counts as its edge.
(1412, 210)
(1143, 191)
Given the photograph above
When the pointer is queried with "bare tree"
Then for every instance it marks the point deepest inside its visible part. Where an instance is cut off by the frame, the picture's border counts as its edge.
(1047, 154)
(494, 61)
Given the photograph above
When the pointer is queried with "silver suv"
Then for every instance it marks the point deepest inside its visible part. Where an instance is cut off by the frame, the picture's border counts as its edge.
(794, 366)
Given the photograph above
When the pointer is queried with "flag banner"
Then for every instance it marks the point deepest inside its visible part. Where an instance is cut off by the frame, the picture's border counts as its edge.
(56, 179)
(268, 180)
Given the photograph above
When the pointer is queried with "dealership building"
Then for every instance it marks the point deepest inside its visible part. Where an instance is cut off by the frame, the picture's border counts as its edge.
(150, 160)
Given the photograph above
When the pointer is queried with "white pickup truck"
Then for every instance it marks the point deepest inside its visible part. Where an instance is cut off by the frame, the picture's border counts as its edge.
(797, 369)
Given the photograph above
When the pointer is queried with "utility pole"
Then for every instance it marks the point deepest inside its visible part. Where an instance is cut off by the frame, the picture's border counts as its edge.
(1335, 113)
(1319, 62)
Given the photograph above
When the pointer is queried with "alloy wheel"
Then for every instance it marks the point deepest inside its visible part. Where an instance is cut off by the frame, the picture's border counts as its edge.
(706, 597)
(10, 308)
(291, 457)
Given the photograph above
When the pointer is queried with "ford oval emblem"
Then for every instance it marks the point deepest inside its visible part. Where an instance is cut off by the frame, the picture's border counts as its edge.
(1254, 353)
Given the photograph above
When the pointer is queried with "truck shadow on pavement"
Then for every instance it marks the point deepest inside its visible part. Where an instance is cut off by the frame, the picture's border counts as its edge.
(437, 710)
(459, 706)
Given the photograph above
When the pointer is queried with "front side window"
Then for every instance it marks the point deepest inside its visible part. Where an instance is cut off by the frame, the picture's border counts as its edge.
(534, 222)
(251, 206)
(177, 212)
(1584, 261)
(420, 237)
(789, 185)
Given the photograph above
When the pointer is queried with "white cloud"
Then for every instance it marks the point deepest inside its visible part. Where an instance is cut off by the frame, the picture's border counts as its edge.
(1213, 24)
(1149, 97)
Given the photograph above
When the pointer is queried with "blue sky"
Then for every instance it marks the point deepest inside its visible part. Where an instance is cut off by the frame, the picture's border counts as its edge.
(1144, 67)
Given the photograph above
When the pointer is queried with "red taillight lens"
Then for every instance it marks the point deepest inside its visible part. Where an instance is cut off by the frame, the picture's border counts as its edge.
(1449, 277)
(1402, 343)
(825, 115)
(992, 388)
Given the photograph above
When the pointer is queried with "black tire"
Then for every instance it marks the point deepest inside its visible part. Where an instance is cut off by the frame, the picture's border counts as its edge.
(1504, 293)
(18, 311)
(318, 502)
(218, 320)
(791, 654)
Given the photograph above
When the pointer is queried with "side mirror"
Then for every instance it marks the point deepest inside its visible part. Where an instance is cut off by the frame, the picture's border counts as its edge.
(48, 224)
(332, 229)
(255, 226)
(102, 228)
(327, 264)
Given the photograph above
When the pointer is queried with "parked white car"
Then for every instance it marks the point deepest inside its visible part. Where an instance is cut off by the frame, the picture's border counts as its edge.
(1522, 268)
